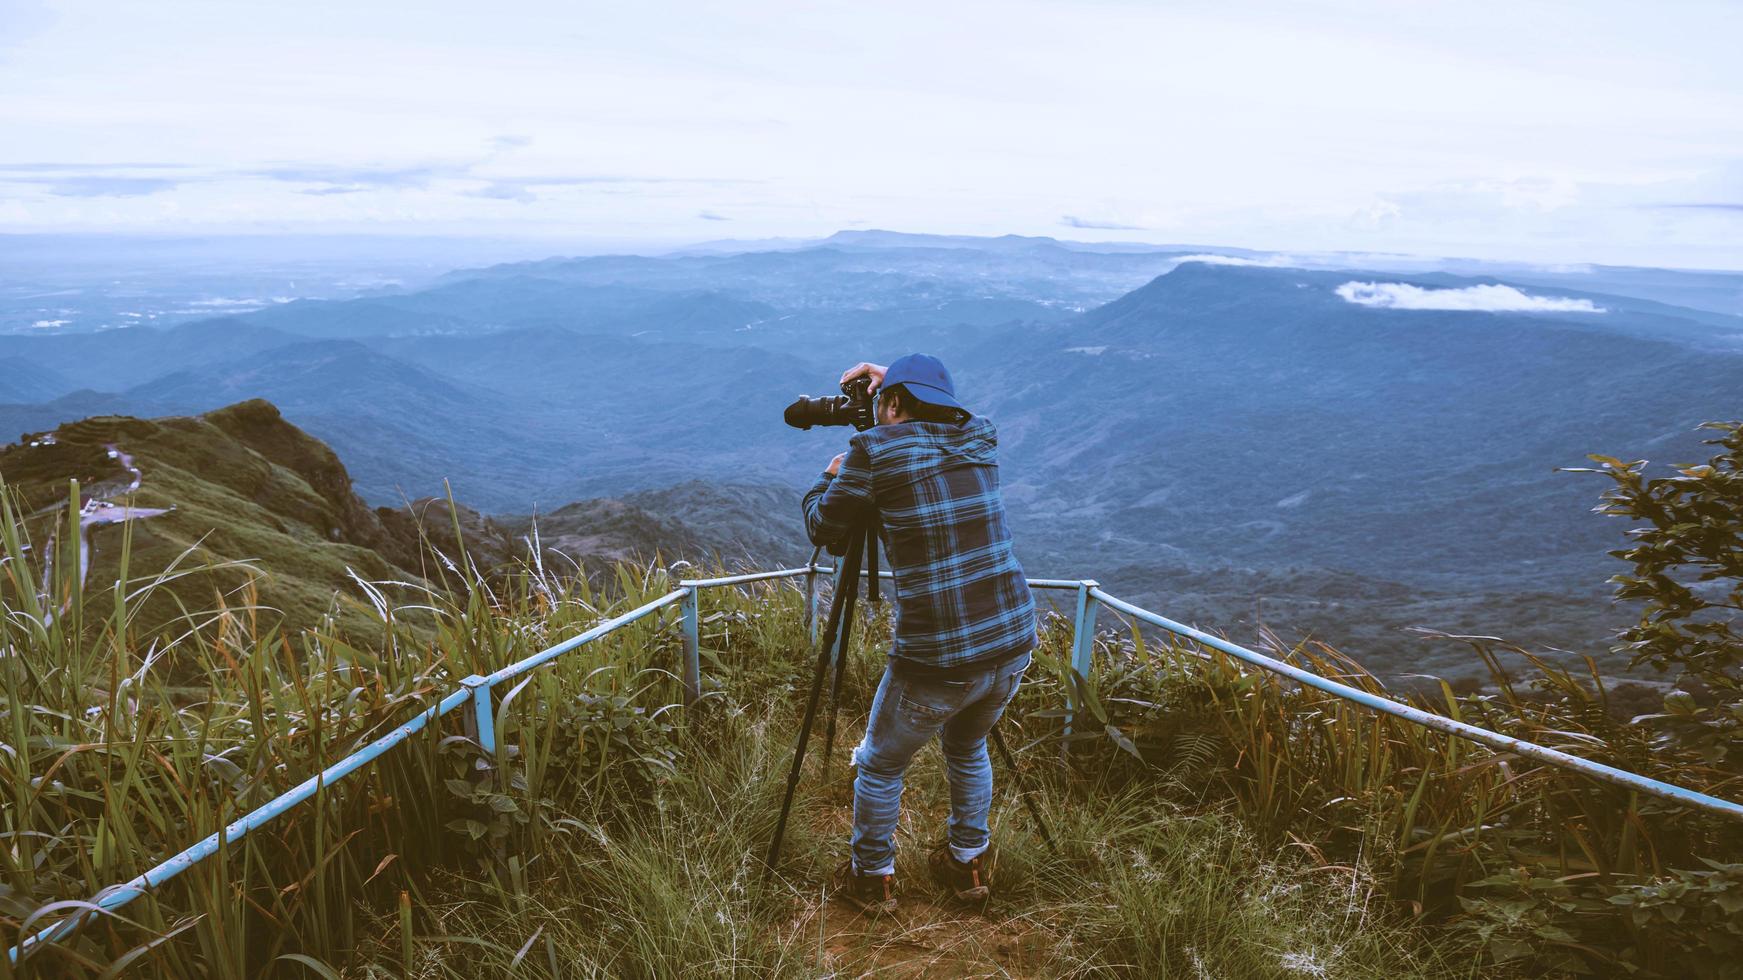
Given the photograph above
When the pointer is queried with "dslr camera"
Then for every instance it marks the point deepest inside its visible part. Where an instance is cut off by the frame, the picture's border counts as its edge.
(852, 407)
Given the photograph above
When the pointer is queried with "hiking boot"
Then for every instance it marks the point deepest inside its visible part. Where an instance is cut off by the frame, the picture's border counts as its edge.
(870, 894)
(967, 882)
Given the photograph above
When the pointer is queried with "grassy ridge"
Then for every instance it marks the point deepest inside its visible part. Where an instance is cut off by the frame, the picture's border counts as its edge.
(1213, 820)
(242, 487)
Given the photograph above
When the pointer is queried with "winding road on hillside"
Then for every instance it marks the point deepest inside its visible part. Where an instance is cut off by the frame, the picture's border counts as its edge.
(101, 510)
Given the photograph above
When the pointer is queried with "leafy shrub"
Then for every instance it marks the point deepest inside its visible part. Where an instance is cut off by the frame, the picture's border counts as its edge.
(1684, 924)
(1688, 571)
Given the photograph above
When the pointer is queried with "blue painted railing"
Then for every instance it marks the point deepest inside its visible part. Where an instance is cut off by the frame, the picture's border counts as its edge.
(481, 723)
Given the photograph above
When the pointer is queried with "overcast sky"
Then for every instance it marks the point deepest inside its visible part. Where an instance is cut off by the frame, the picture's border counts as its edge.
(1587, 131)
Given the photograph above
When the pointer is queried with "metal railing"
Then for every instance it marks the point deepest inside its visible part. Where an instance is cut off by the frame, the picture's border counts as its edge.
(481, 723)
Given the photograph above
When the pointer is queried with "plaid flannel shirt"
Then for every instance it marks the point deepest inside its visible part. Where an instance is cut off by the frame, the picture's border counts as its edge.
(961, 597)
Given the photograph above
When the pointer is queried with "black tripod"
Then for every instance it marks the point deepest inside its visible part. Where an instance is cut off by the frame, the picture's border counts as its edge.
(862, 543)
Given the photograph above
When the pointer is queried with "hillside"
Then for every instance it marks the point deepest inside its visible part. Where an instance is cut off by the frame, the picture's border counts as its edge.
(238, 484)
(242, 483)
(725, 523)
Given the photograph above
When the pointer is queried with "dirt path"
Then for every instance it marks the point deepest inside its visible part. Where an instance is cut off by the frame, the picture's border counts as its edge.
(924, 938)
(928, 935)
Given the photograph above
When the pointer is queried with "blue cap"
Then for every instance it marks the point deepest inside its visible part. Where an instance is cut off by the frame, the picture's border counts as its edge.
(925, 377)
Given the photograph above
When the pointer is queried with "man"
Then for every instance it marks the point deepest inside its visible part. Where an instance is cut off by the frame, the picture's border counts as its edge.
(965, 619)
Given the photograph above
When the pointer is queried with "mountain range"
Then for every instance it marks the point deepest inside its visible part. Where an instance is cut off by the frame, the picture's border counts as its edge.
(1228, 439)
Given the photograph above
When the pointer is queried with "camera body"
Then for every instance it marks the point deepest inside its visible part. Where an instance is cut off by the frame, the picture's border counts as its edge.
(853, 407)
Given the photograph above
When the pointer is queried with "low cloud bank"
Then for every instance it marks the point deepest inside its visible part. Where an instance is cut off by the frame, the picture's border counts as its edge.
(1479, 299)
(1263, 262)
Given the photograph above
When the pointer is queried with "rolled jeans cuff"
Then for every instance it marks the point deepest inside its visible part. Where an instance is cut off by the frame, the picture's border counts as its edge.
(963, 855)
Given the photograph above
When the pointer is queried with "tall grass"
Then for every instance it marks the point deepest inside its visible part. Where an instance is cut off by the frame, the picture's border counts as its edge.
(1460, 832)
(1141, 887)
(1215, 821)
(121, 748)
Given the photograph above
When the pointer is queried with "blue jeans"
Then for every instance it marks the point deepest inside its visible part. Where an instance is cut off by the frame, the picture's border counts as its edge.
(905, 714)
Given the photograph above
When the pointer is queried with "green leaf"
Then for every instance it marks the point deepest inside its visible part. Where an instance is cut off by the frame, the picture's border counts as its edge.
(1505, 950)
(320, 969)
(1553, 934)
(466, 825)
(1123, 742)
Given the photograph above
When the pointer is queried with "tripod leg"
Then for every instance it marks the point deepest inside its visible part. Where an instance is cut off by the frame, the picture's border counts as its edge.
(850, 572)
(998, 738)
(870, 563)
(846, 633)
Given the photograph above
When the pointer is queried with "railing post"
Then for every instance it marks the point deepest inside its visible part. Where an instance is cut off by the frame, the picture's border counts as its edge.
(481, 721)
(692, 644)
(1082, 646)
(1083, 633)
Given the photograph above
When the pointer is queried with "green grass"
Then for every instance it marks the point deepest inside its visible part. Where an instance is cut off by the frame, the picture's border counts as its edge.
(1142, 887)
(1213, 822)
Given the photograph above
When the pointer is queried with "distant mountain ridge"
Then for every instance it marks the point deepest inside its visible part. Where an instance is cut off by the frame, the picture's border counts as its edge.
(23, 381)
(1259, 408)
(1210, 421)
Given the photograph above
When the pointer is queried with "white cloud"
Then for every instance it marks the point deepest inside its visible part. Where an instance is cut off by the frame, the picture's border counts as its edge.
(1263, 262)
(1073, 221)
(1480, 299)
(50, 324)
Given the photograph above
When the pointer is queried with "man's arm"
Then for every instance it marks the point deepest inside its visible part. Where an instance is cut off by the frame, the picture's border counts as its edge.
(835, 503)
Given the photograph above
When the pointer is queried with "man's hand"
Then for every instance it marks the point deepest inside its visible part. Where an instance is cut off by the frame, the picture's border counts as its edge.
(835, 464)
(873, 371)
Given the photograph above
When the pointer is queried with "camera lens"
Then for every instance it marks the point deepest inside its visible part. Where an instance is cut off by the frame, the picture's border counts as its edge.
(807, 412)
